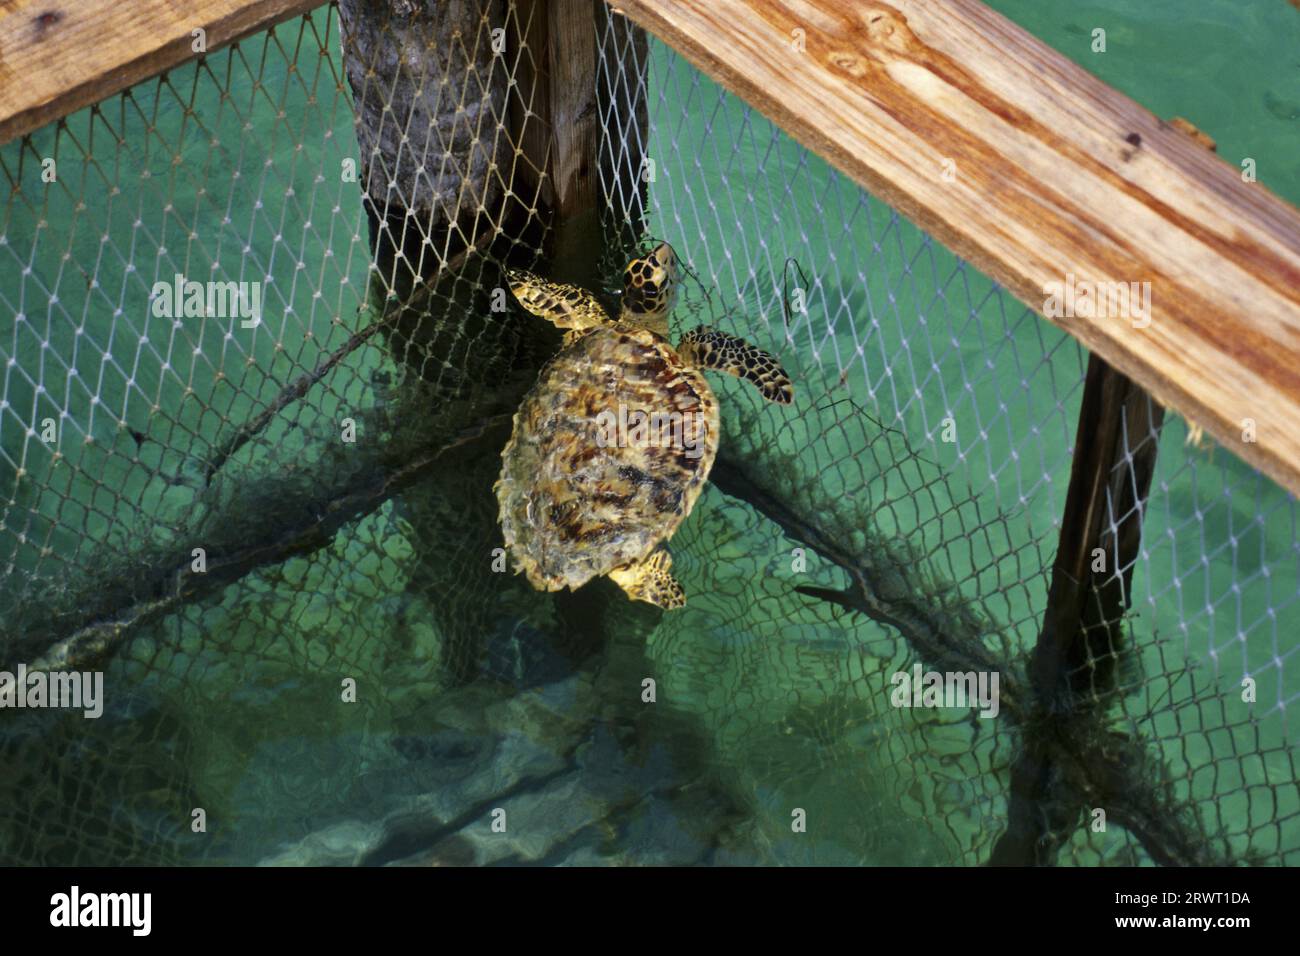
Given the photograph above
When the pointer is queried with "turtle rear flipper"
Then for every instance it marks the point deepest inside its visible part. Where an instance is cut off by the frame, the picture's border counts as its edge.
(565, 306)
(707, 347)
(651, 579)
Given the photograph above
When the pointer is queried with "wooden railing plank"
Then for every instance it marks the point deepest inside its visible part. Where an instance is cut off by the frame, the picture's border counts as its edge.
(57, 56)
(1057, 175)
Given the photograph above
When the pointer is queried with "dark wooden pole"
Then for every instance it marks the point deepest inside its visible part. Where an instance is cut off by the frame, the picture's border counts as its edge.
(1079, 647)
(1101, 534)
(559, 127)
(1074, 668)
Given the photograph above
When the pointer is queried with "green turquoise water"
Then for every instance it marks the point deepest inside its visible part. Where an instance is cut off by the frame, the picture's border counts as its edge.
(1233, 69)
(475, 694)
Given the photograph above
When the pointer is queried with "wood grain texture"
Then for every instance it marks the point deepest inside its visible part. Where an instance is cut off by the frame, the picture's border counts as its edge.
(572, 59)
(1057, 174)
(556, 80)
(57, 56)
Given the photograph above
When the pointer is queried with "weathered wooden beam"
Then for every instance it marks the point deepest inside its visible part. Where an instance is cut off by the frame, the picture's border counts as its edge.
(1052, 174)
(57, 56)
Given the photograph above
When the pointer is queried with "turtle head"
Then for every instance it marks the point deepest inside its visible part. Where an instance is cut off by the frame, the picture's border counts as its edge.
(650, 288)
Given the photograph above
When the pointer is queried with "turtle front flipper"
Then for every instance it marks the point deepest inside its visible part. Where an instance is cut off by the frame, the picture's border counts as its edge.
(707, 347)
(565, 306)
(651, 579)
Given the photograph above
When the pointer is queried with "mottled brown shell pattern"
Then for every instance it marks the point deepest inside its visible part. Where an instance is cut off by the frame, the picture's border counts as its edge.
(575, 505)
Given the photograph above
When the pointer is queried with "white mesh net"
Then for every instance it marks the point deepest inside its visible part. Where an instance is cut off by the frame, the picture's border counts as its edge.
(334, 462)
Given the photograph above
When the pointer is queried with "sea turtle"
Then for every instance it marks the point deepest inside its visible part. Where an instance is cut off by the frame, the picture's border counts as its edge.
(611, 447)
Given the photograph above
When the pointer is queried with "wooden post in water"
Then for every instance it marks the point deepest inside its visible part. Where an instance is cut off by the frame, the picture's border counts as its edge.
(1083, 637)
(1101, 535)
(578, 105)
(1074, 665)
(558, 123)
